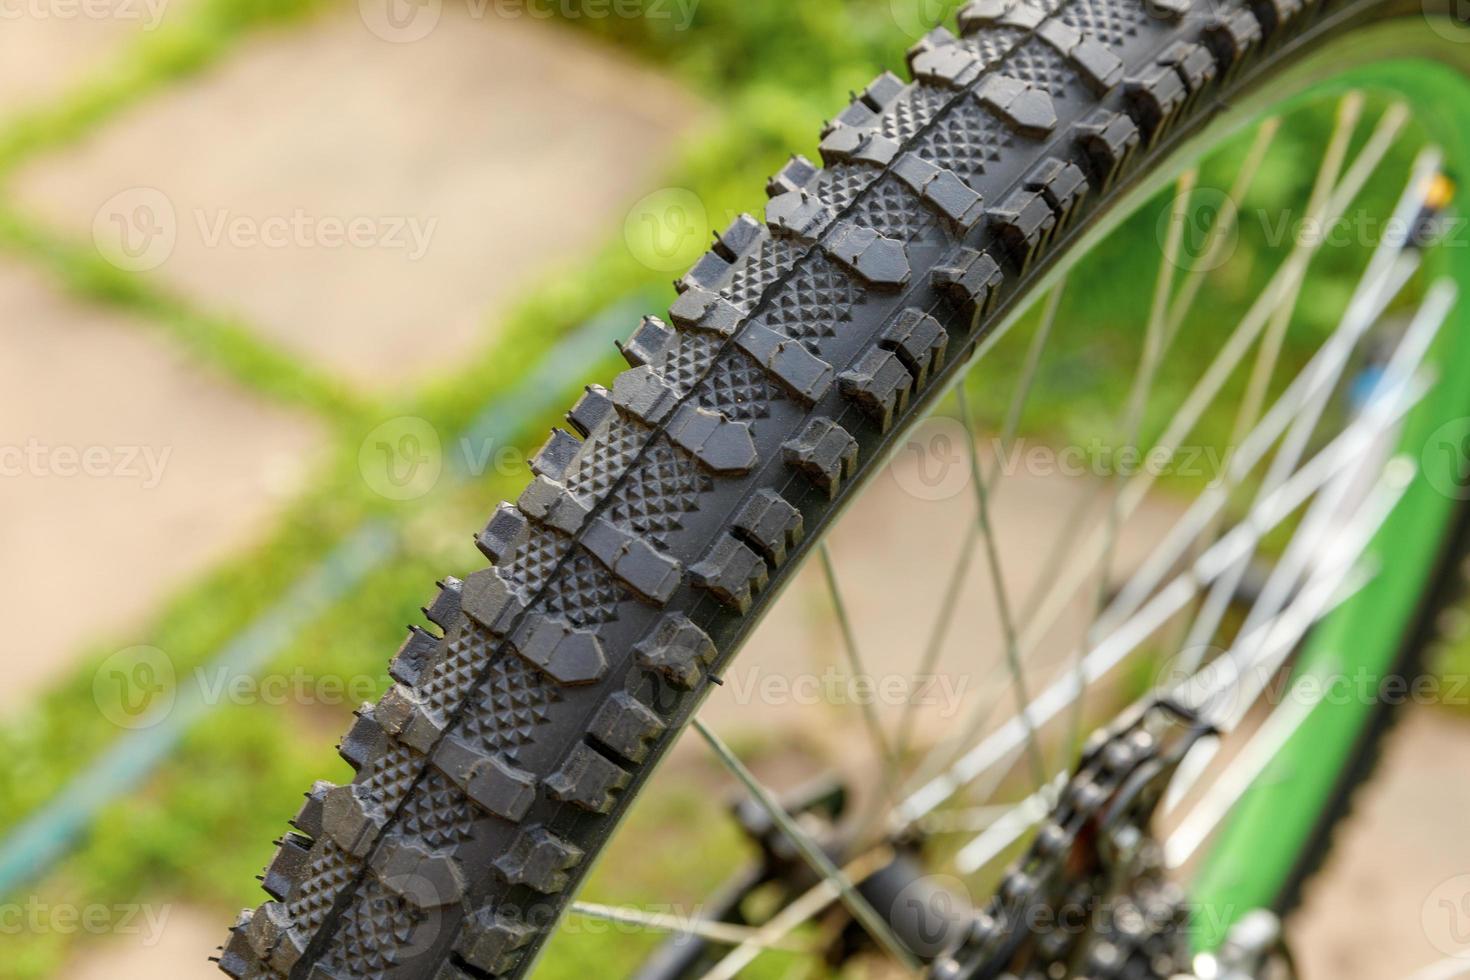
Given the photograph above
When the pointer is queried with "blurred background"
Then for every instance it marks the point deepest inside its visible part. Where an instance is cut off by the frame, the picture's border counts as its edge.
(289, 289)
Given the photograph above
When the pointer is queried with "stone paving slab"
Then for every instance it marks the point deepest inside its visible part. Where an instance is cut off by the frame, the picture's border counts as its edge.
(125, 472)
(50, 46)
(367, 203)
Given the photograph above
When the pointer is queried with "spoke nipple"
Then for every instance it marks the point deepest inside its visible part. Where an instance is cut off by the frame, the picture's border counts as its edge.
(716, 680)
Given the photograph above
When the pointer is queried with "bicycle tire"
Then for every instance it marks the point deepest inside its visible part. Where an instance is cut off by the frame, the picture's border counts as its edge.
(631, 569)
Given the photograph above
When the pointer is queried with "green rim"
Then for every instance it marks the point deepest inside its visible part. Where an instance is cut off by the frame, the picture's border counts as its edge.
(1256, 856)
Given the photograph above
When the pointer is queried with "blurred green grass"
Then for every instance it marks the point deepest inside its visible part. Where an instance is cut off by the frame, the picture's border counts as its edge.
(776, 70)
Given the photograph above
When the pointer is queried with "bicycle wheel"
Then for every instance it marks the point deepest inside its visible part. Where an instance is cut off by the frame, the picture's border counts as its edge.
(802, 352)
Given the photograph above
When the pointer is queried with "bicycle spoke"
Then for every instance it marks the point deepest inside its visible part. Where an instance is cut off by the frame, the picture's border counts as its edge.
(1212, 613)
(1257, 388)
(875, 925)
(1200, 515)
(1348, 112)
(1011, 425)
(855, 664)
(939, 633)
(1218, 373)
(1317, 532)
(1219, 234)
(1233, 784)
(1217, 239)
(1262, 519)
(724, 933)
(1060, 590)
(1319, 373)
(1262, 651)
(797, 913)
(1002, 595)
(969, 820)
(1309, 607)
(1387, 273)
(1131, 426)
(1003, 833)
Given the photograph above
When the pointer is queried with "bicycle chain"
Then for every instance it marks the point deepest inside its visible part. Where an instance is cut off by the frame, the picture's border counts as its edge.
(1095, 856)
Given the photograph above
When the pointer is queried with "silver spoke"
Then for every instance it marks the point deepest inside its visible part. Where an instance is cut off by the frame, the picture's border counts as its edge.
(1307, 608)
(1017, 407)
(949, 604)
(724, 933)
(1003, 833)
(1319, 534)
(1220, 370)
(1258, 388)
(876, 926)
(1002, 596)
(1259, 654)
(1361, 315)
(970, 820)
(855, 665)
(1232, 785)
(1219, 234)
(1155, 342)
(1321, 372)
(1264, 516)
(1387, 273)
(797, 913)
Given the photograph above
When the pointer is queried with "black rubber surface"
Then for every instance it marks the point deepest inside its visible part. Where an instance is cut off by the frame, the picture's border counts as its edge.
(631, 569)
